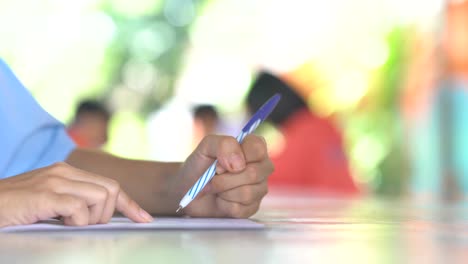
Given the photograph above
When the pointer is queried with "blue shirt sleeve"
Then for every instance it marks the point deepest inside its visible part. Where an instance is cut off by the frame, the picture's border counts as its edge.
(30, 138)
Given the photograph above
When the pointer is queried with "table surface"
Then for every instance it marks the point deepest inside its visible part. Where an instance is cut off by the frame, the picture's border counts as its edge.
(300, 229)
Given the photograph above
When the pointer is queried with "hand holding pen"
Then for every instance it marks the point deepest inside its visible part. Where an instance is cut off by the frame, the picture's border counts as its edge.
(243, 166)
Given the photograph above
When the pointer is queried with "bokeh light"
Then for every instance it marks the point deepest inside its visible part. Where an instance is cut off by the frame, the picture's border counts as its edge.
(152, 59)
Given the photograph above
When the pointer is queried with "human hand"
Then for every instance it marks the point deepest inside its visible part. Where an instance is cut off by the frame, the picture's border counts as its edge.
(241, 180)
(60, 190)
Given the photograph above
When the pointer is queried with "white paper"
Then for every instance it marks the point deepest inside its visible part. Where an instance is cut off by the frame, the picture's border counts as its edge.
(160, 223)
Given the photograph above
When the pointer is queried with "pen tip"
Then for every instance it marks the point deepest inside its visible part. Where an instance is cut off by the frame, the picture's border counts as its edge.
(178, 209)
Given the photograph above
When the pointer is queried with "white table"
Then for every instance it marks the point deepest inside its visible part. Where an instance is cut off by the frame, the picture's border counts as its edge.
(300, 229)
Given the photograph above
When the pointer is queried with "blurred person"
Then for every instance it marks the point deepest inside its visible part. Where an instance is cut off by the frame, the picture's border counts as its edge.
(89, 128)
(205, 122)
(435, 107)
(44, 175)
(313, 154)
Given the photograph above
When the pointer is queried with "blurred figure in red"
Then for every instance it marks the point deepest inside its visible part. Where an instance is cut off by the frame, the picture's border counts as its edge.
(313, 156)
(89, 128)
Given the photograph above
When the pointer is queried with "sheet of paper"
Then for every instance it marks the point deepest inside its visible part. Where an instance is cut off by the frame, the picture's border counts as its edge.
(160, 223)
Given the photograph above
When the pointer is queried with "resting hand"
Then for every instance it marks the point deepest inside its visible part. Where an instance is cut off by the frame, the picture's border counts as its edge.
(79, 197)
(241, 180)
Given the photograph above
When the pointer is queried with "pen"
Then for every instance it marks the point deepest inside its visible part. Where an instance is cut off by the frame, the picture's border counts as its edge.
(251, 125)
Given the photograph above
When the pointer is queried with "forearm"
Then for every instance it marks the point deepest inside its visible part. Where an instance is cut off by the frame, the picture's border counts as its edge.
(147, 182)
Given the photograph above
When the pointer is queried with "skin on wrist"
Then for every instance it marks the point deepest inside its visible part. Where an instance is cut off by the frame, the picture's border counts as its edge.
(153, 185)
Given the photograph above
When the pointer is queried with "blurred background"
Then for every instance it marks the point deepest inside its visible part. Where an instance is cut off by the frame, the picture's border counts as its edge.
(391, 74)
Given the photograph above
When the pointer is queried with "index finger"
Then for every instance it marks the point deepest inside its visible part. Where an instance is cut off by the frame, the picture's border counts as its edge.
(125, 204)
(129, 208)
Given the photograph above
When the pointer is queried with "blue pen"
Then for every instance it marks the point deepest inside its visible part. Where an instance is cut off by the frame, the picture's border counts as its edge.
(253, 123)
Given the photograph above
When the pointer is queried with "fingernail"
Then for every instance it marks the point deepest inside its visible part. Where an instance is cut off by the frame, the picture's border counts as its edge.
(147, 217)
(237, 162)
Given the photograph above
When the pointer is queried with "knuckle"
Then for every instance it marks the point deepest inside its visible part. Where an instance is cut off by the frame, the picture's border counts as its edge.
(52, 181)
(228, 142)
(252, 174)
(103, 194)
(205, 141)
(59, 167)
(236, 211)
(113, 187)
(247, 195)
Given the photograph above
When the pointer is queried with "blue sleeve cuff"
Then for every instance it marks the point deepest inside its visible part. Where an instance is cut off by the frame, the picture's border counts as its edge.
(45, 147)
(30, 138)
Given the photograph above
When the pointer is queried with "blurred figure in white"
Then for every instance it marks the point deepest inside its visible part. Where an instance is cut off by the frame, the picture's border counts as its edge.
(170, 132)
